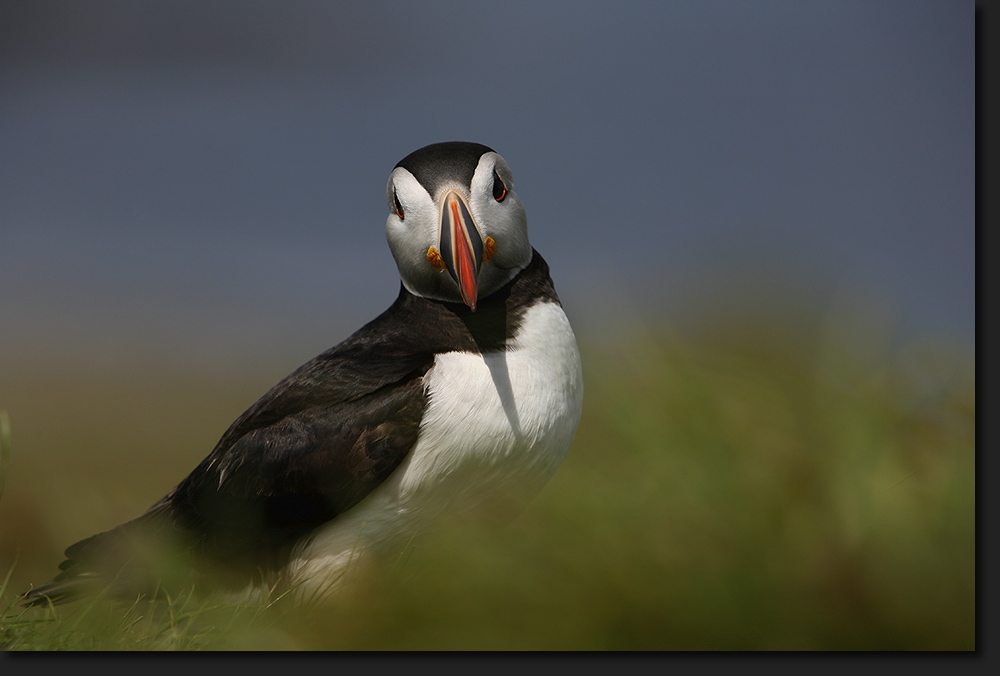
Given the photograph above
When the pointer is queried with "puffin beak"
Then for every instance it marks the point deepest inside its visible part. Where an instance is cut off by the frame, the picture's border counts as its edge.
(461, 245)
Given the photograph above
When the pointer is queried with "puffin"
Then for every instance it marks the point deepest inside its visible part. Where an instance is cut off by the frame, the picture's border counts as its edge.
(461, 398)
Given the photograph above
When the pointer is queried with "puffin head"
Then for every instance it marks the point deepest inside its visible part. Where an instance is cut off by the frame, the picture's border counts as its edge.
(456, 228)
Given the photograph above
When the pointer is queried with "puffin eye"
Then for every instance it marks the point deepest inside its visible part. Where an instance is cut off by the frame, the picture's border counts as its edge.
(399, 207)
(499, 189)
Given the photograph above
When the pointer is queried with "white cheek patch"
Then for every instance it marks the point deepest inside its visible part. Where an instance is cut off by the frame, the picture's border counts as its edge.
(411, 194)
(482, 180)
(411, 236)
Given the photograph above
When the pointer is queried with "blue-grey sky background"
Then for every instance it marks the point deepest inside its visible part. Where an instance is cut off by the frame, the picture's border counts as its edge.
(204, 181)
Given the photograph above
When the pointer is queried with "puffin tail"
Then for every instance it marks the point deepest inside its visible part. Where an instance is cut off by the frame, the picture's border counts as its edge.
(123, 559)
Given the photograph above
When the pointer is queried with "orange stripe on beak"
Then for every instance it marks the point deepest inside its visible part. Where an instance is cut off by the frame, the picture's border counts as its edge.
(465, 266)
(461, 246)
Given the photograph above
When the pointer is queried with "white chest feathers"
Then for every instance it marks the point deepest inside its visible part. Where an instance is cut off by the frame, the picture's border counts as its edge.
(500, 421)
(496, 426)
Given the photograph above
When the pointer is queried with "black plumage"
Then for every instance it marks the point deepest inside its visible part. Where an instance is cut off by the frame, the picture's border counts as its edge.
(311, 448)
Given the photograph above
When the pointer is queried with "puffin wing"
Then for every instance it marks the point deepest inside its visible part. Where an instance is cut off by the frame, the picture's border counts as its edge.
(311, 448)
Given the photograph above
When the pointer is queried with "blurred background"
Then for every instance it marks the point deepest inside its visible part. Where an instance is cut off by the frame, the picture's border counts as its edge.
(759, 216)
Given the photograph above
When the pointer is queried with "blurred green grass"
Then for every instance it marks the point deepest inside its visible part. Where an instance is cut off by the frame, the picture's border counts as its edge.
(744, 485)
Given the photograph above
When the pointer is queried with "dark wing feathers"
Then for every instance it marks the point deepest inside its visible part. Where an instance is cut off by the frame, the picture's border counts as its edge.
(273, 483)
(312, 447)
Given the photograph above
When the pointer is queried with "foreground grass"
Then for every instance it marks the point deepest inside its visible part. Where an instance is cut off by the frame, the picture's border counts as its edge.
(181, 623)
(743, 488)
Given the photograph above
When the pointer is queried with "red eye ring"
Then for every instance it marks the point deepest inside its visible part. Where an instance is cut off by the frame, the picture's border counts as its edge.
(399, 207)
(499, 189)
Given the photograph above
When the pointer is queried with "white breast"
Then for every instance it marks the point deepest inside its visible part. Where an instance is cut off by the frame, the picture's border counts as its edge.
(502, 419)
(495, 425)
